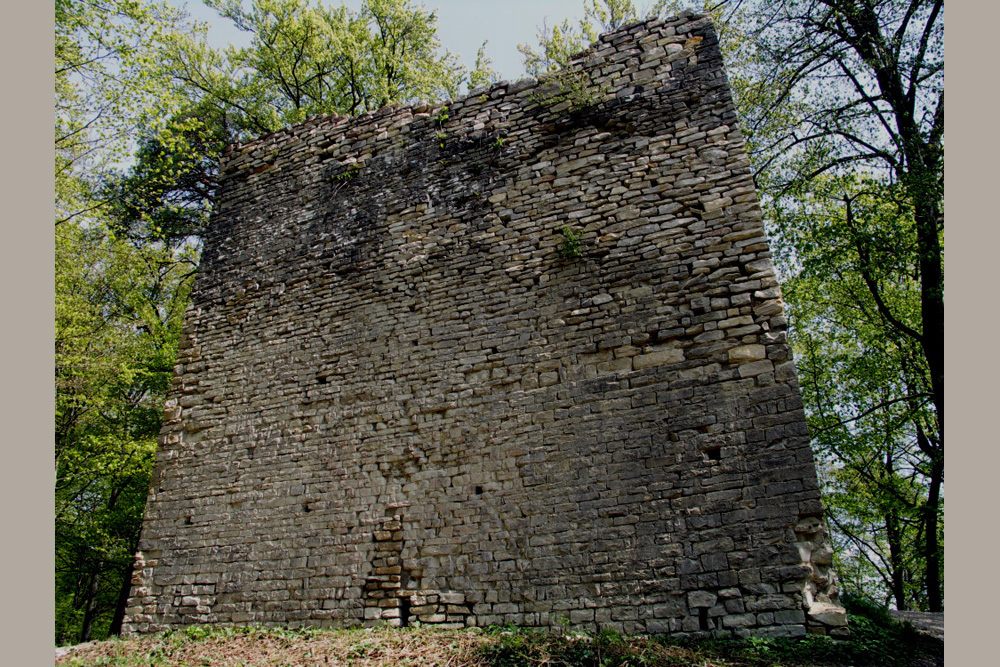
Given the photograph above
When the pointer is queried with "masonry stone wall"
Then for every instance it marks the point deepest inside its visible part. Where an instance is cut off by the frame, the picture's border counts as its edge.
(514, 358)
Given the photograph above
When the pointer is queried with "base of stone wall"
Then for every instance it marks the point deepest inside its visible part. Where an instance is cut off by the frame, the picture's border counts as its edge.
(448, 610)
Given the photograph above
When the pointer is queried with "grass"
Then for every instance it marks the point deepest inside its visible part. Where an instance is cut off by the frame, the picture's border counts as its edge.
(281, 647)
(875, 639)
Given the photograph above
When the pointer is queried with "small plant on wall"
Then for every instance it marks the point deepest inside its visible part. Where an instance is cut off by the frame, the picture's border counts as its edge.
(441, 117)
(348, 173)
(571, 246)
(571, 86)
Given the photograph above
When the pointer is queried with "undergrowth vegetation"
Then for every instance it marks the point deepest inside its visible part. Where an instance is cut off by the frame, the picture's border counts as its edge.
(876, 640)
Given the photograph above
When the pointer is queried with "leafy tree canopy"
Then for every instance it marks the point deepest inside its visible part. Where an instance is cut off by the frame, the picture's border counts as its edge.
(118, 313)
(107, 85)
(306, 59)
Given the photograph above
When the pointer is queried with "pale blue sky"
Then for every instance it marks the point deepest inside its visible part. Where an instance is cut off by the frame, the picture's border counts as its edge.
(463, 25)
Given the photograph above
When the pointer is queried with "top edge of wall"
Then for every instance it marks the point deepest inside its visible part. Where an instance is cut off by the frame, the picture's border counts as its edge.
(688, 20)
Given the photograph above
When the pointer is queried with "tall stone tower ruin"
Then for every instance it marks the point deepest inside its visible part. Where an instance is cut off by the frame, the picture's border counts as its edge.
(514, 358)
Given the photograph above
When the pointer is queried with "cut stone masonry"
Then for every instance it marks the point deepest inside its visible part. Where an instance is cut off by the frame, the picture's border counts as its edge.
(403, 395)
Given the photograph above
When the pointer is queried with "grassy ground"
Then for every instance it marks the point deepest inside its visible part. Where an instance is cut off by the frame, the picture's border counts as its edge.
(876, 640)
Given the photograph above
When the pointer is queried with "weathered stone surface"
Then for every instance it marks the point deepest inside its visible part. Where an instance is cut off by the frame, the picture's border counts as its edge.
(745, 353)
(827, 614)
(404, 395)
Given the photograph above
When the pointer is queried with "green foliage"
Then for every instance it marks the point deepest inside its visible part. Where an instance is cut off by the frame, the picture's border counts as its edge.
(842, 105)
(107, 85)
(875, 639)
(524, 647)
(571, 245)
(118, 307)
(887, 644)
(106, 69)
(850, 247)
(570, 89)
(558, 44)
(514, 647)
(306, 59)
(482, 74)
(168, 193)
(118, 313)
(858, 604)
(348, 174)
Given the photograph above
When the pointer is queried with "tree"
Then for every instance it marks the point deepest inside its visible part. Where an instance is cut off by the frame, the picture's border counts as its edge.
(302, 60)
(117, 307)
(106, 85)
(861, 89)
(168, 194)
(305, 60)
(118, 313)
(482, 73)
(865, 383)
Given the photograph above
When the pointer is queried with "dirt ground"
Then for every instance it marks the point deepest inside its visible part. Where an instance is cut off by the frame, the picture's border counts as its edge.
(925, 621)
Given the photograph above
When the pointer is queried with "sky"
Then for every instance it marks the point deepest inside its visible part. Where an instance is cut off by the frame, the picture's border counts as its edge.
(463, 25)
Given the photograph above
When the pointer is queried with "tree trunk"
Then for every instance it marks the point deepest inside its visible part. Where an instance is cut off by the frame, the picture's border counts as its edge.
(932, 547)
(896, 574)
(927, 215)
(119, 619)
(90, 608)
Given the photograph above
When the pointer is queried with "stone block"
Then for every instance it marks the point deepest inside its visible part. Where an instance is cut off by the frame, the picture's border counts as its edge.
(701, 599)
(659, 357)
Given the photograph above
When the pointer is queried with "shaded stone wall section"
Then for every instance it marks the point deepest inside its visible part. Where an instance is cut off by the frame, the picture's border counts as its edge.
(402, 396)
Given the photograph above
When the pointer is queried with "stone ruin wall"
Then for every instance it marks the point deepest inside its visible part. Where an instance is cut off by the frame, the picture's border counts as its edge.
(401, 398)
